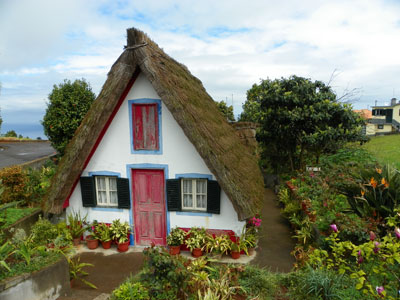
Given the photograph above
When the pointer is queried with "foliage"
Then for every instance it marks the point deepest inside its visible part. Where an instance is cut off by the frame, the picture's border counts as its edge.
(196, 239)
(10, 133)
(13, 181)
(176, 237)
(76, 270)
(103, 232)
(43, 232)
(300, 118)
(10, 215)
(258, 282)
(5, 252)
(226, 110)
(67, 106)
(373, 264)
(163, 275)
(77, 224)
(130, 290)
(120, 231)
(221, 244)
(376, 193)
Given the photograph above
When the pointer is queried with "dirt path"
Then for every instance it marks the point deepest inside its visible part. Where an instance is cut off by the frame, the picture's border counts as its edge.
(109, 272)
(275, 243)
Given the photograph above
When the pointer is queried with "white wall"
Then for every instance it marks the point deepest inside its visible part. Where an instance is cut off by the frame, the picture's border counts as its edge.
(114, 154)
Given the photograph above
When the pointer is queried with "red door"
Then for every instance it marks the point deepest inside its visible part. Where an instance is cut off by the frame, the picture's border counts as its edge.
(149, 206)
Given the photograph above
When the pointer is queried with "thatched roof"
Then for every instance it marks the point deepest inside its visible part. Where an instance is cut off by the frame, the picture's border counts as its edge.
(235, 168)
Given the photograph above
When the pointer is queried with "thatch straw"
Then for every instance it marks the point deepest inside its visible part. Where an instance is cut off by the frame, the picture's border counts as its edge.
(235, 168)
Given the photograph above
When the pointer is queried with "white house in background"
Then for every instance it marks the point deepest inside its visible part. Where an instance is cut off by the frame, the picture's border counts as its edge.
(155, 151)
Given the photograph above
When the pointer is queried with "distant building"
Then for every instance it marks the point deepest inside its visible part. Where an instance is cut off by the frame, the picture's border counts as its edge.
(385, 119)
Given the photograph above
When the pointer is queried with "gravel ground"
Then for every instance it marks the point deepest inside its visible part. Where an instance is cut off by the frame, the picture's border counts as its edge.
(15, 153)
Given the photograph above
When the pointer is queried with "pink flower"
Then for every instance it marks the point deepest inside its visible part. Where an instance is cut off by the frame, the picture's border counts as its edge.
(376, 248)
(372, 236)
(360, 258)
(397, 232)
(379, 290)
(333, 227)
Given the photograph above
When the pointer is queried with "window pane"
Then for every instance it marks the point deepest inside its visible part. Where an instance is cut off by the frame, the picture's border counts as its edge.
(113, 197)
(101, 183)
(187, 201)
(102, 197)
(200, 186)
(113, 183)
(201, 201)
(187, 186)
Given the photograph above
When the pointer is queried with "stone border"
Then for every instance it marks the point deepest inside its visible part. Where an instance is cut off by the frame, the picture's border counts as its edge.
(49, 283)
(25, 223)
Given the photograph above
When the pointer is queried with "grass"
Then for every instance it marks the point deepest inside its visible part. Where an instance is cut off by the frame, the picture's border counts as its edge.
(385, 148)
(11, 215)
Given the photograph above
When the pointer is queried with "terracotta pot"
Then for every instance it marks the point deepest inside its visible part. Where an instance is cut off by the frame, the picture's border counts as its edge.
(174, 250)
(76, 241)
(251, 251)
(106, 245)
(91, 243)
(235, 254)
(123, 247)
(196, 252)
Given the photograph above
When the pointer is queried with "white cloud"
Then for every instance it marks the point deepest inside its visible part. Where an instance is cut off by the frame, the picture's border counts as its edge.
(229, 45)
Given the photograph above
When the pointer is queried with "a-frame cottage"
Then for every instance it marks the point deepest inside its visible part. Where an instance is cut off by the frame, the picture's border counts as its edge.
(155, 151)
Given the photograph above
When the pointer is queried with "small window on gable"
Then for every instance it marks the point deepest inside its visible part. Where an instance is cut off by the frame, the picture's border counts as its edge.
(145, 126)
(194, 194)
(380, 126)
(106, 191)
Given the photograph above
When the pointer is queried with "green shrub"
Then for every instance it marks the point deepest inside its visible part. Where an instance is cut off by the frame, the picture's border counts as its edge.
(257, 282)
(14, 184)
(130, 290)
(43, 232)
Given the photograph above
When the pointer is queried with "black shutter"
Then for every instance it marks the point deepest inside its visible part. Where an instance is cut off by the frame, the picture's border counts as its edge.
(88, 191)
(174, 195)
(213, 197)
(124, 200)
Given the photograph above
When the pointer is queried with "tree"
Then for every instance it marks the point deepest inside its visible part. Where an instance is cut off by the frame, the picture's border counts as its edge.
(299, 119)
(226, 110)
(67, 106)
(11, 133)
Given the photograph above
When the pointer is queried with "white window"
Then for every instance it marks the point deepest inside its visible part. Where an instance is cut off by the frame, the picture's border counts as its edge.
(106, 191)
(194, 194)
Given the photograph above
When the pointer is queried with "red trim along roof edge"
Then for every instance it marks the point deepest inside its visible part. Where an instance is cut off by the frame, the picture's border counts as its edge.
(103, 131)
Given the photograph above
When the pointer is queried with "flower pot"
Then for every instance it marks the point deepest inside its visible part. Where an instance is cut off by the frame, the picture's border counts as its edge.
(251, 251)
(123, 247)
(196, 252)
(106, 245)
(91, 243)
(76, 241)
(235, 254)
(174, 250)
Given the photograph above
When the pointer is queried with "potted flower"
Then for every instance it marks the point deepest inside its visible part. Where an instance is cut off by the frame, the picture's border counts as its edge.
(196, 241)
(104, 235)
(120, 233)
(219, 245)
(76, 226)
(237, 246)
(92, 240)
(250, 239)
(175, 240)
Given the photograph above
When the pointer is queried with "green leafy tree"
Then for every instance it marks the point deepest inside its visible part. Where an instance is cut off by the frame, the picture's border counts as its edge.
(226, 110)
(67, 106)
(299, 119)
(11, 133)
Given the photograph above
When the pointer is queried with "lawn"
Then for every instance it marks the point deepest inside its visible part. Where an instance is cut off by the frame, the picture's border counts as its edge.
(385, 148)
(11, 215)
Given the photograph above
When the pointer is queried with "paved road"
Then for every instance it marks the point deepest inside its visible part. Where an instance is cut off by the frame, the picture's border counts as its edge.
(15, 153)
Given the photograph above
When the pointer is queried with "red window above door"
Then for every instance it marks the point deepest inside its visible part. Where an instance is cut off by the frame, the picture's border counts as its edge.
(145, 127)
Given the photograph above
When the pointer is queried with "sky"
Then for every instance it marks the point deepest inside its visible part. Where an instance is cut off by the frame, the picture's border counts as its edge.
(353, 45)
